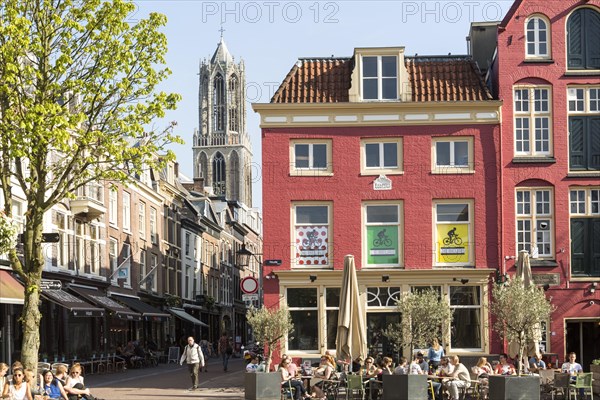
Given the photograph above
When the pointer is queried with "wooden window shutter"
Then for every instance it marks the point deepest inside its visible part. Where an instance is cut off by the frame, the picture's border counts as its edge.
(575, 40)
(577, 143)
(591, 36)
(578, 242)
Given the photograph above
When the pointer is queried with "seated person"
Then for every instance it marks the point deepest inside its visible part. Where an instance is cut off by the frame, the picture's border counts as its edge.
(504, 367)
(483, 370)
(536, 363)
(445, 368)
(52, 387)
(17, 388)
(253, 364)
(325, 371)
(75, 387)
(402, 368)
(462, 378)
(61, 374)
(415, 366)
(571, 366)
(34, 386)
(356, 365)
(287, 379)
(422, 363)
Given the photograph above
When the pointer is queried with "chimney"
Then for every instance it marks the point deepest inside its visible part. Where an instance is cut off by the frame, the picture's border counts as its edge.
(198, 185)
(176, 168)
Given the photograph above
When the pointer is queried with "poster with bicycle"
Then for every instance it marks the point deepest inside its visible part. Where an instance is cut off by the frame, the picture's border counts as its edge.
(382, 242)
(453, 243)
(312, 245)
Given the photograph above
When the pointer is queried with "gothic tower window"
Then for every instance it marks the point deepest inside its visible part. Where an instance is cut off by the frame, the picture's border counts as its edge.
(234, 175)
(219, 173)
(233, 97)
(202, 166)
(219, 103)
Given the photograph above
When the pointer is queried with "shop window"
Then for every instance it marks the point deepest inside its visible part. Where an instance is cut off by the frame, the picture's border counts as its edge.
(466, 328)
(303, 306)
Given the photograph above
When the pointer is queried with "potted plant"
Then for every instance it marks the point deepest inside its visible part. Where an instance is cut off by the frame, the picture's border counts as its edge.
(424, 313)
(269, 326)
(518, 310)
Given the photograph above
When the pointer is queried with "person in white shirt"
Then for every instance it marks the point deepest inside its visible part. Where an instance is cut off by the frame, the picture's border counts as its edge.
(572, 367)
(414, 367)
(192, 355)
(461, 376)
(401, 369)
(252, 365)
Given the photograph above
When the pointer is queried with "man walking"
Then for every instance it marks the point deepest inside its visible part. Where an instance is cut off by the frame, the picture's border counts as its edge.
(194, 358)
(225, 350)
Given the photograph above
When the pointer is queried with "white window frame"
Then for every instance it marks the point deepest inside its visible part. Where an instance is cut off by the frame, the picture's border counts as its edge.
(320, 298)
(310, 170)
(532, 210)
(482, 321)
(380, 78)
(153, 264)
(452, 168)
(113, 257)
(381, 169)
(142, 220)
(112, 207)
(583, 99)
(536, 18)
(95, 249)
(469, 240)
(126, 212)
(153, 228)
(329, 224)
(143, 268)
(586, 203)
(399, 223)
(532, 117)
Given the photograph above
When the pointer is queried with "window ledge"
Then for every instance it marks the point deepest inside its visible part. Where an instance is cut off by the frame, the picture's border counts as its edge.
(534, 160)
(542, 263)
(587, 174)
(310, 173)
(539, 61)
(451, 171)
(377, 173)
(583, 72)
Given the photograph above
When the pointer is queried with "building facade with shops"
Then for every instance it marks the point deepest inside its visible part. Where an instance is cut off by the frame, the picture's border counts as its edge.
(392, 159)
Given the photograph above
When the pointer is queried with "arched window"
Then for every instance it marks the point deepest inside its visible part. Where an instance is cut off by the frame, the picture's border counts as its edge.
(219, 173)
(234, 175)
(583, 36)
(538, 37)
(202, 166)
(233, 97)
(219, 103)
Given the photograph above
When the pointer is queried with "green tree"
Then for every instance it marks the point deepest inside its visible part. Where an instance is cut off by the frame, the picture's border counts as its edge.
(77, 93)
(424, 313)
(518, 310)
(269, 326)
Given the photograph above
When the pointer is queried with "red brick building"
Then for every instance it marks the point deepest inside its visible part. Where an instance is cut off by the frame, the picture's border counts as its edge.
(393, 159)
(547, 73)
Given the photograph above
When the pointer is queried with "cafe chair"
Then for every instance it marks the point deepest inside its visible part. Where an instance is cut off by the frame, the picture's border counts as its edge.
(354, 387)
(583, 384)
(287, 391)
(561, 384)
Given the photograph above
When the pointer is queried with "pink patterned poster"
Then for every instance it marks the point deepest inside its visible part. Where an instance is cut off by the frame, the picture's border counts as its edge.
(312, 248)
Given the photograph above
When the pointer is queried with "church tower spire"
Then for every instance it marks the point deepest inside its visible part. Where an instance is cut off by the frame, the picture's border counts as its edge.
(222, 149)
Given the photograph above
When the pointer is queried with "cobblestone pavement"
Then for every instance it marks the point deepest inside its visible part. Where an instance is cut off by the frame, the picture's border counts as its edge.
(170, 382)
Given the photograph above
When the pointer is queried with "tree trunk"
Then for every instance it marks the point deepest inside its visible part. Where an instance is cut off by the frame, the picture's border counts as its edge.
(33, 264)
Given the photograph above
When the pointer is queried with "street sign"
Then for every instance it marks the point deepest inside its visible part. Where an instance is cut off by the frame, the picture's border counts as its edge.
(272, 263)
(250, 297)
(50, 284)
(249, 285)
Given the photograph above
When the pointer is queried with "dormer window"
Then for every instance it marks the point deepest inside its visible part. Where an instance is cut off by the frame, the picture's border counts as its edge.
(379, 78)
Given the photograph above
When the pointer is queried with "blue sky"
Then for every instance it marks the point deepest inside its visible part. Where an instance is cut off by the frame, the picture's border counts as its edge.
(271, 35)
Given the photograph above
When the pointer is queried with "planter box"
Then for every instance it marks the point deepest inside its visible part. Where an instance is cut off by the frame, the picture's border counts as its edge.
(595, 369)
(262, 385)
(405, 387)
(514, 387)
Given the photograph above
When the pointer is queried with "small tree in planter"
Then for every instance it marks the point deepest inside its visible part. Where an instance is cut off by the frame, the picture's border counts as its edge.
(518, 310)
(424, 313)
(269, 326)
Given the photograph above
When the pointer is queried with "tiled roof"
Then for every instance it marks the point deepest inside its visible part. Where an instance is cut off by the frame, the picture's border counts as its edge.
(316, 80)
(432, 78)
(446, 78)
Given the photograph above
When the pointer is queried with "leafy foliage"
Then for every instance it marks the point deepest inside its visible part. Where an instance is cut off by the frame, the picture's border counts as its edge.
(270, 326)
(8, 233)
(424, 313)
(77, 93)
(518, 311)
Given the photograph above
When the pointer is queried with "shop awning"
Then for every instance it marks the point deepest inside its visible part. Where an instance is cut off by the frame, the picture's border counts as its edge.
(76, 306)
(148, 312)
(180, 313)
(11, 291)
(99, 299)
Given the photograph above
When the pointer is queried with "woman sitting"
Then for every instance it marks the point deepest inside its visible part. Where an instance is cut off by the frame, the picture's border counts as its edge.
(51, 387)
(75, 387)
(17, 388)
(324, 371)
(483, 370)
(287, 380)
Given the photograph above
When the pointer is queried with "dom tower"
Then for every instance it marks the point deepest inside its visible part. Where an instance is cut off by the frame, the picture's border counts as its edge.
(222, 152)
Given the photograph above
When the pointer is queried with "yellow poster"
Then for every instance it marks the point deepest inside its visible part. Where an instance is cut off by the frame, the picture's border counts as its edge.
(452, 243)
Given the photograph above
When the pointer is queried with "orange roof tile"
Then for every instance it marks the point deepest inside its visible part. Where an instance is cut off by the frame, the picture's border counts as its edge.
(432, 78)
